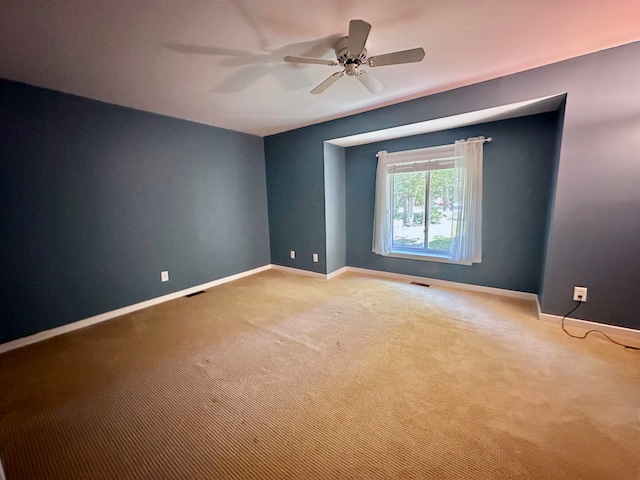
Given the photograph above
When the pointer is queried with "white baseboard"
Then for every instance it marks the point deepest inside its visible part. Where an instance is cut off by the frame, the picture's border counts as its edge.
(628, 336)
(576, 326)
(538, 307)
(445, 283)
(412, 278)
(338, 272)
(37, 337)
(298, 271)
(624, 335)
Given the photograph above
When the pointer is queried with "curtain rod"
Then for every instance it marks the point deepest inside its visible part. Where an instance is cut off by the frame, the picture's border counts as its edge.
(488, 139)
(474, 141)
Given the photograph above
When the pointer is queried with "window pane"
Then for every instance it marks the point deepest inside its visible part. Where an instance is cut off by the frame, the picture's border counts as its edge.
(442, 211)
(408, 210)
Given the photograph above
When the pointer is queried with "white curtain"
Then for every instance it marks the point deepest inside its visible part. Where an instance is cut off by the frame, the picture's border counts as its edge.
(382, 217)
(466, 246)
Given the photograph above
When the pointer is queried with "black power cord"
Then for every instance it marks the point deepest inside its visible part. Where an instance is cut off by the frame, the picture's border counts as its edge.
(579, 302)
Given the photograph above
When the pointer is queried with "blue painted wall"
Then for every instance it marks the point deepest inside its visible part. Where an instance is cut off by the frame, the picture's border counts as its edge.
(593, 238)
(335, 206)
(554, 183)
(517, 186)
(96, 200)
(296, 195)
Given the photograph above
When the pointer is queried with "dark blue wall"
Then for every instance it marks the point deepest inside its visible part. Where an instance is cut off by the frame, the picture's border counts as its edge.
(96, 200)
(335, 206)
(593, 237)
(517, 185)
(554, 183)
(295, 181)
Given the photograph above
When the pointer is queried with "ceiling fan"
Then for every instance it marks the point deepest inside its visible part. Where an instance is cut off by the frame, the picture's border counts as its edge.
(351, 54)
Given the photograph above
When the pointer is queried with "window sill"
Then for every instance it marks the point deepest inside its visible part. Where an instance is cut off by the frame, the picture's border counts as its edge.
(431, 257)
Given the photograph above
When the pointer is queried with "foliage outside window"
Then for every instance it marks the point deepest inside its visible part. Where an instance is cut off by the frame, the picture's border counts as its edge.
(424, 214)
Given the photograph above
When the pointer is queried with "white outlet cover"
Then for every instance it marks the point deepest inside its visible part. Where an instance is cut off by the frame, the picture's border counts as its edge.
(293, 254)
(580, 291)
(315, 257)
(164, 276)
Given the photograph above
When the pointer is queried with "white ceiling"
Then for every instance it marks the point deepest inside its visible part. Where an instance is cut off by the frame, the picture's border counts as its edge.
(219, 62)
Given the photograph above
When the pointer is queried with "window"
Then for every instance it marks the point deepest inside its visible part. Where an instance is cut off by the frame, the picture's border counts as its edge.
(429, 203)
(424, 214)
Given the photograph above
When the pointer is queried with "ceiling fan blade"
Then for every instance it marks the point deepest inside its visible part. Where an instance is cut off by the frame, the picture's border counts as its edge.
(358, 34)
(327, 83)
(317, 61)
(370, 82)
(405, 56)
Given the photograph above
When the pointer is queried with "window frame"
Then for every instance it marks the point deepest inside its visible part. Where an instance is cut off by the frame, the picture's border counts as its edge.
(427, 159)
(467, 155)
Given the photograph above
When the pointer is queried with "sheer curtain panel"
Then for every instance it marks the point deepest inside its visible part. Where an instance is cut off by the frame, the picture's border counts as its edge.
(382, 210)
(466, 246)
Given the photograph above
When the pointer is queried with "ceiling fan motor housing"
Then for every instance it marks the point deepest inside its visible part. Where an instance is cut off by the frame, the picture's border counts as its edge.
(348, 61)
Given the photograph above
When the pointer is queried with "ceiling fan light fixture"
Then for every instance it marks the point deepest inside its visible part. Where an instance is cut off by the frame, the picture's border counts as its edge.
(351, 69)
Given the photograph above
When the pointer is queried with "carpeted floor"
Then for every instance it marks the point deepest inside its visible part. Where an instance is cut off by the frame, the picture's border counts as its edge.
(284, 376)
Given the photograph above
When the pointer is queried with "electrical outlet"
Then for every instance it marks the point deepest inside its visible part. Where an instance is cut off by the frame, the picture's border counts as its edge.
(315, 257)
(293, 254)
(580, 294)
(164, 276)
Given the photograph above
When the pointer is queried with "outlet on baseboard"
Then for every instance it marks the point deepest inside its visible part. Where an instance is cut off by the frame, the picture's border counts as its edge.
(164, 276)
(580, 294)
(292, 254)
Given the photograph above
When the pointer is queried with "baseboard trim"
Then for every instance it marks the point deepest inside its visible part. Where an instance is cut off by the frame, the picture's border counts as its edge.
(337, 273)
(622, 334)
(412, 278)
(576, 326)
(628, 336)
(45, 334)
(298, 271)
(445, 283)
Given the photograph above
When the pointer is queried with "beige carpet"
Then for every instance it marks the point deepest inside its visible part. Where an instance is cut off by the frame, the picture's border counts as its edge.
(285, 376)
